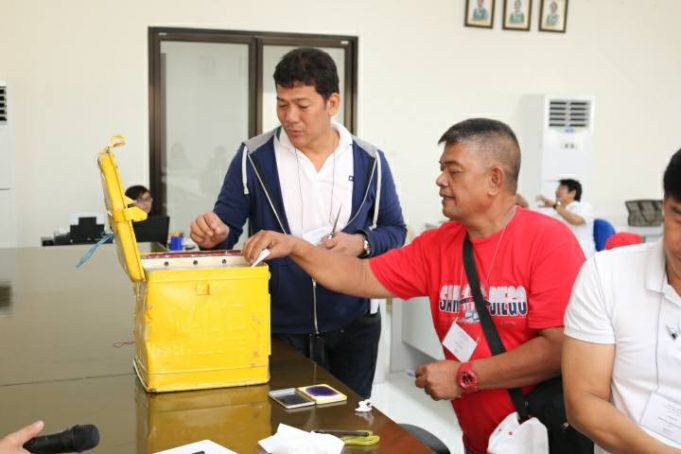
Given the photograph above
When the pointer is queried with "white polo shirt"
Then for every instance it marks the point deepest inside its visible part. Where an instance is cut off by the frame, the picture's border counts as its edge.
(583, 232)
(312, 199)
(623, 297)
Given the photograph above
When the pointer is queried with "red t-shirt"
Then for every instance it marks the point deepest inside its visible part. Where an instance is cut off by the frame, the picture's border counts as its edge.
(526, 273)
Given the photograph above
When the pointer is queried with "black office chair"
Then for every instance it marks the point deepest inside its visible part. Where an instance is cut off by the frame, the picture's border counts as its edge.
(426, 438)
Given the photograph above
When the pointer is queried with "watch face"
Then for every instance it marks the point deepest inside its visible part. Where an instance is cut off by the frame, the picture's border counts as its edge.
(468, 381)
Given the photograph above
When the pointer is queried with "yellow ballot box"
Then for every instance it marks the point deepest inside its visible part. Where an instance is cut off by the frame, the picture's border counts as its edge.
(202, 320)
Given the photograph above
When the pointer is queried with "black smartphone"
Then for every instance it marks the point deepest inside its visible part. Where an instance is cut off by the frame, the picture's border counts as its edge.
(290, 398)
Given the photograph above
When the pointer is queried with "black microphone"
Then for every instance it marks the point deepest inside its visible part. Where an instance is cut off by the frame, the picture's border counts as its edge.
(75, 439)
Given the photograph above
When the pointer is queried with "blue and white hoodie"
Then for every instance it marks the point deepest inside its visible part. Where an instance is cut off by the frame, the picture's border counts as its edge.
(251, 190)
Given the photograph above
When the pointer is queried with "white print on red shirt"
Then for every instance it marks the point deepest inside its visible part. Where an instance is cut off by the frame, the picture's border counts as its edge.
(503, 301)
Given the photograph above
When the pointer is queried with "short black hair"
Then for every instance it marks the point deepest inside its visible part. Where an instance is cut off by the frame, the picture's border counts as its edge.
(572, 185)
(134, 192)
(308, 66)
(493, 136)
(672, 177)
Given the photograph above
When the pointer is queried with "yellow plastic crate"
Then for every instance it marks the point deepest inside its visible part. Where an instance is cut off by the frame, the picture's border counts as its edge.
(195, 327)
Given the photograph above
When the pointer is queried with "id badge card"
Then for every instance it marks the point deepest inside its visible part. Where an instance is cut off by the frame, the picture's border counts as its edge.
(663, 416)
(459, 343)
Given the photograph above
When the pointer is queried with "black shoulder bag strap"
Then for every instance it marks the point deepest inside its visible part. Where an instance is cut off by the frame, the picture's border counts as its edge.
(491, 333)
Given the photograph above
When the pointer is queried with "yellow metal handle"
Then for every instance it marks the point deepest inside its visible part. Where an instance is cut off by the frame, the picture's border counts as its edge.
(117, 140)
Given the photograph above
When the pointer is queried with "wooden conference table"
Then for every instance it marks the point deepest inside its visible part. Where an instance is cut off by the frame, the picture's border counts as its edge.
(66, 356)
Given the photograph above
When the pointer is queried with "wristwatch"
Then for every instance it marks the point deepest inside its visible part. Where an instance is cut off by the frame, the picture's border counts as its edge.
(366, 246)
(467, 379)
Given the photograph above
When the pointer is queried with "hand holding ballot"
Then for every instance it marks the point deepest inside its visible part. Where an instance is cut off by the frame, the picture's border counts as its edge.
(208, 230)
(279, 245)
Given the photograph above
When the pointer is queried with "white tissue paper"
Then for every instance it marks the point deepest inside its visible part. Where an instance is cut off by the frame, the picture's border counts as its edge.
(289, 440)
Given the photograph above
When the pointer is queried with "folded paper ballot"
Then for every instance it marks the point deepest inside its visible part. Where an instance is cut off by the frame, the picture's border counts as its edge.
(290, 440)
(204, 447)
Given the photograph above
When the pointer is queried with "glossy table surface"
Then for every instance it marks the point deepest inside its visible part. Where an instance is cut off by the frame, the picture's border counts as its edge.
(66, 351)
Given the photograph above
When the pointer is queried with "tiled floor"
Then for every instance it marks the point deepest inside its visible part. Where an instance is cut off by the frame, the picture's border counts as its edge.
(398, 398)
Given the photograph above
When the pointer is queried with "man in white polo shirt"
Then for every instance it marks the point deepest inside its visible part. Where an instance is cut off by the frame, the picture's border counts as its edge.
(622, 352)
(570, 209)
(312, 179)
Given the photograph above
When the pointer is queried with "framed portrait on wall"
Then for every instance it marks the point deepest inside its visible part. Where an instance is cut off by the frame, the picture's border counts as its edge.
(517, 14)
(553, 15)
(479, 13)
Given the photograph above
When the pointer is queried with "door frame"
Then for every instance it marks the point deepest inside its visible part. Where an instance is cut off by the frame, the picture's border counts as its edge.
(255, 41)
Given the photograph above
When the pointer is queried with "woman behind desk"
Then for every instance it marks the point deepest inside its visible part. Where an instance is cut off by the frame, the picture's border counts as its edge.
(141, 196)
(154, 228)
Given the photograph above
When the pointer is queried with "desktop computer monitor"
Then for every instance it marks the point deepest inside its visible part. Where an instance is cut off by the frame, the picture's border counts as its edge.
(154, 229)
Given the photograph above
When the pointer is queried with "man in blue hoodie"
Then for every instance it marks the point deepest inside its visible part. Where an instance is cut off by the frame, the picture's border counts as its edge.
(312, 179)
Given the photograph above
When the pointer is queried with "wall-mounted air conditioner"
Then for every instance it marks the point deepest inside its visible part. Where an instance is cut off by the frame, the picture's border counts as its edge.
(7, 187)
(557, 142)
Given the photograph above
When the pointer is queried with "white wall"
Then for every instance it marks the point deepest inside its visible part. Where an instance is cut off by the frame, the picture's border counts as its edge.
(79, 73)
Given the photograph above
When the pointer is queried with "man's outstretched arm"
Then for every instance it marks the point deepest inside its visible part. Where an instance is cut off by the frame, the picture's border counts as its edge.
(337, 272)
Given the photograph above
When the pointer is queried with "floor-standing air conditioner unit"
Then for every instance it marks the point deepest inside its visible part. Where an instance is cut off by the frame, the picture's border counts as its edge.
(557, 142)
(7, 191)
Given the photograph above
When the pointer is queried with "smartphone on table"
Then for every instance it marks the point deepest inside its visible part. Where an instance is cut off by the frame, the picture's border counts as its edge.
(291, 398)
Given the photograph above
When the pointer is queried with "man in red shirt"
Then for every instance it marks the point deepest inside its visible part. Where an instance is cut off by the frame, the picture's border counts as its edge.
(527, 263)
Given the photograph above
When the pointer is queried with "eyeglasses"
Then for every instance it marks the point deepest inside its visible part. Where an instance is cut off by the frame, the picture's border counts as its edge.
(145, 198)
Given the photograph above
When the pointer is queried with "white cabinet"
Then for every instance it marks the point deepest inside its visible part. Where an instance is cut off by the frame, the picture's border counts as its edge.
(556, 141)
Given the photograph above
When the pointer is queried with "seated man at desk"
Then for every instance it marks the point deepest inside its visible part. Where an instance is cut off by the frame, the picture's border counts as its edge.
(575, 213)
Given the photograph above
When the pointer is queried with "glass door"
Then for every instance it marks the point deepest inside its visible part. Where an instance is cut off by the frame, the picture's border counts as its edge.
(205, 110)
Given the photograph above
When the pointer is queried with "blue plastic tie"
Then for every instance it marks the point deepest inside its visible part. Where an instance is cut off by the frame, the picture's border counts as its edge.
(90, 252)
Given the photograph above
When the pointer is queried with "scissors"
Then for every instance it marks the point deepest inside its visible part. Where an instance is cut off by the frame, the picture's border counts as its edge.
(335, 224)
